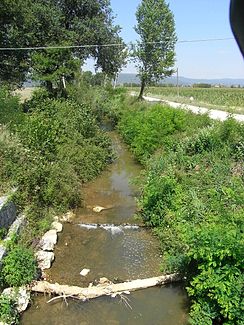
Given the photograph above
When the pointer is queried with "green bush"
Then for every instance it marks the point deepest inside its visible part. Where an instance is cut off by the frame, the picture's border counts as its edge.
(10, 108)
(193, 194)
(8, 311)
(19, 267)
(149, 128)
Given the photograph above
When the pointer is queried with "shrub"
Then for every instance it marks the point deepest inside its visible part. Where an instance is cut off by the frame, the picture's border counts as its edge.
(193, 194)
(8, 311)
(19, 267)
(148, 128)
(10, 108)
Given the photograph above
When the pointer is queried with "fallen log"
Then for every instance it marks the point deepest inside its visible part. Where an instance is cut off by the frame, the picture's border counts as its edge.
(103, 289)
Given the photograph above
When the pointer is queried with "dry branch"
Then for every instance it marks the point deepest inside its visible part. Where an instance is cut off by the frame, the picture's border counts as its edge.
(104, 289)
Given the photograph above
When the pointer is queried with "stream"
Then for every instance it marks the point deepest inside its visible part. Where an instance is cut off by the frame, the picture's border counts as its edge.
(114, 245)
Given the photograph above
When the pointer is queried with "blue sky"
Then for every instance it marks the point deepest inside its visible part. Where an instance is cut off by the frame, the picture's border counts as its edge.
(194, 19)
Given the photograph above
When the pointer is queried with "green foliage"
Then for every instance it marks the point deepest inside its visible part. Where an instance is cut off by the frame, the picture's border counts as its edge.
(155, 23)
(10, 109)
(39, 23)
(147, 129)
(193, 194)
(19, 267)
(54, 148)
(3, 233)
(8, 311)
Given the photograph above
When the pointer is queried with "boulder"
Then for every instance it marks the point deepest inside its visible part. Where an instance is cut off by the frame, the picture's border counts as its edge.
(20, 295)
(49, 240)
(57, 226)
(44, 259)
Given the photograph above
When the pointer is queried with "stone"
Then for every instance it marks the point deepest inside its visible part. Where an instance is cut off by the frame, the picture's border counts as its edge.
(49, 240)
(98, 209)
(16, 227)
(84, 272)
(20, 295)
(67, 217)
(57, 226)
(7, 212)
(104, 281)
(44, 259)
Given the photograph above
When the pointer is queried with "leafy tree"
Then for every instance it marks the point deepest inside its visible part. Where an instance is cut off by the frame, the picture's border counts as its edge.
(47, 23)
(13, 64)
(154, 53)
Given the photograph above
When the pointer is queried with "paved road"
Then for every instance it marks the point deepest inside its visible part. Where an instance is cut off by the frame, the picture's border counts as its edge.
(213, 113)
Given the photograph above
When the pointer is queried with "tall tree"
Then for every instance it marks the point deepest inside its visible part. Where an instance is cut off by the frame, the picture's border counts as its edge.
(45, 23)
(13, 18)
(155, 52)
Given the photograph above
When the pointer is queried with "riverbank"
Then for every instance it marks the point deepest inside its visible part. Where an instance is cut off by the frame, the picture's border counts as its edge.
(192, 196)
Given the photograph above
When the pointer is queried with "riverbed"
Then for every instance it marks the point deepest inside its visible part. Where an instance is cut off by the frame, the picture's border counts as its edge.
(111, 244)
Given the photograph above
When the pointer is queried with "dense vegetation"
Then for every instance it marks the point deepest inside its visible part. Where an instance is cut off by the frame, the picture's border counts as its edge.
(51, 23)
(228, 98)
(50, 150)
(193, 194)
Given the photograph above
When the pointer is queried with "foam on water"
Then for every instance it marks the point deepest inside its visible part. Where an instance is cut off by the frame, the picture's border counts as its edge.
(114, 229)
(88, 225)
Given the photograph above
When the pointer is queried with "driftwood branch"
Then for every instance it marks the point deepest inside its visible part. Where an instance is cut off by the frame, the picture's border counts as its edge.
(102, 289)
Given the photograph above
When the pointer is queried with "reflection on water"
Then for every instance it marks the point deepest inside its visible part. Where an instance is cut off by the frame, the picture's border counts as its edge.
(110, 245)
(112, 190)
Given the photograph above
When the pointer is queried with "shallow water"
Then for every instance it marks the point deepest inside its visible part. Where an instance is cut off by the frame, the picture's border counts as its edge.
(111, 244)
(153, 306)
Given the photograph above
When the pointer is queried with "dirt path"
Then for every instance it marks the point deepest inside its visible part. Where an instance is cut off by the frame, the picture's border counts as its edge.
(213, 113)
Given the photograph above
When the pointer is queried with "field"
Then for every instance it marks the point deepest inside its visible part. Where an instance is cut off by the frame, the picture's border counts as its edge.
(228, 99)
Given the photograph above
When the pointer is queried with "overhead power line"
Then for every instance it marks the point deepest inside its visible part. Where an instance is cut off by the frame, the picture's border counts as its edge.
(107, 45)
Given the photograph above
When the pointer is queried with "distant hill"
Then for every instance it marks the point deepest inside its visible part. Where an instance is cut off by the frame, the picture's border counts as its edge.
(132, 78)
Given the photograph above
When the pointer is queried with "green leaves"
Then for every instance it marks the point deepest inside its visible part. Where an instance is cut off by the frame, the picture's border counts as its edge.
(19, 267)
(8, 311)
(154, 52)
(41, 23)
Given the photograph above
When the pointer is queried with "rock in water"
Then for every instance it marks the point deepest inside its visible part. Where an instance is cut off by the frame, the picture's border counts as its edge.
(49, 240)
(44, 259)
(84, 272)
(98, 209)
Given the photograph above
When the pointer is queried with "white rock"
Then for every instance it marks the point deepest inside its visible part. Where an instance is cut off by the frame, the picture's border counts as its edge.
(84, 272)
(67, 217)
(57, 226)
(20, 295)
(104, 281)
(98, 209)
(44, 259)
(49, 240)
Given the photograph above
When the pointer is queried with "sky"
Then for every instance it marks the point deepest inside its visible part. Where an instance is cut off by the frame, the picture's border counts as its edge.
(194, 19)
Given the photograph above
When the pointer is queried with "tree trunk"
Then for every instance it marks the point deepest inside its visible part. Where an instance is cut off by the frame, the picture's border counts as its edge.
(143, 84)
(49, 86)
(105, 289)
